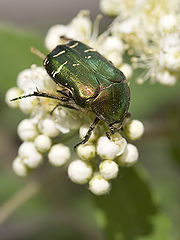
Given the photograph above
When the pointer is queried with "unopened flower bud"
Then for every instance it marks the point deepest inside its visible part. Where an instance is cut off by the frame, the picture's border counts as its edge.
(29, 155)
(13, 92)
(42, 143)
(108, 169)
(108, 149)
(19, 168)
(127, 70)
(79, 171)
(98, 185)
(82, 24)
(27, 105)
(59, 154)
(84, 129)
(53, 36)
(86, 151)
(114, 57)
(113, 43)
(129, 157)
(134, 129)
(24, 81)
(48, 127)
(27, 130)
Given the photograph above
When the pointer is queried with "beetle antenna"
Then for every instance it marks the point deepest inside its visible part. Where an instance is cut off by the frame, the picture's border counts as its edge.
(37, 53)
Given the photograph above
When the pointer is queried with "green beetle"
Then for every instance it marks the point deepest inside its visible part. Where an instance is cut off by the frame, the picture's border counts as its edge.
(88, 82)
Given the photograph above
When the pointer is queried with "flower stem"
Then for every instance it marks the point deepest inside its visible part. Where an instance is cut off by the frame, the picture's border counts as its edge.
(18, 199)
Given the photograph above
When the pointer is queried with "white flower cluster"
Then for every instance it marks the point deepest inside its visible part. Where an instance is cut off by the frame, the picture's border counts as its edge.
(82, 29)
(97, 161)
(150, 29)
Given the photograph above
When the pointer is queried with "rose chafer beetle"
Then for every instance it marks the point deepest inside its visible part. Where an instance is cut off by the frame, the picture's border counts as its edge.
(89, 82)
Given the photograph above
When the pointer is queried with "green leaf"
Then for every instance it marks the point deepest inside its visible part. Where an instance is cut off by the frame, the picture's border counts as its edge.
(164, 175)
(15, 56)
(148, 98)
(162, 228)
(127, 212)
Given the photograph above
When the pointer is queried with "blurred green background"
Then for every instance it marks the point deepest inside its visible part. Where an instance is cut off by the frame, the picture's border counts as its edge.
(144, 202)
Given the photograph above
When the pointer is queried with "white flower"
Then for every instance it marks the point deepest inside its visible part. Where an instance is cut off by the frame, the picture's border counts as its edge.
(108, 169)
(128, 26)
(27, 130)
(25, 81)
(127, 70)
(19, 168)
(27, 105)
(167, 23)
(114, 57)
(109, 7)
(35, 78)
(108, 149)
(151, 32)
(79, 28)
(42, 143)
(29, 155)
(169, 56)
(47, 126)
(112, 48)
(134, 129)
(166, 78)
(129, 157)
(79, 171)
(111, 44)
(82, 25)
(172, 60)
(53, 36)
(86, 151)
(59, 154)
(67, 119)
(98, 185)
(13, 92)
(170, 43)
(116, 7)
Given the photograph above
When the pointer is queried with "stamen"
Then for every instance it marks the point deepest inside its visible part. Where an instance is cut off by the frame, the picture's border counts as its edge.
(96, 27)
(37, 52)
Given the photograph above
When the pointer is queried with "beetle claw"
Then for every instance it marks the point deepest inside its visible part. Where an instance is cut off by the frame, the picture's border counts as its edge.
(128, 114)
(108, 135)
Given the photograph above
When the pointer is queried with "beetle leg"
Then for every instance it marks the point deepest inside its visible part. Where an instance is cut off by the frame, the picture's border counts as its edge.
(38, 94)
(128, 115)
(67, 105)
(88, 134)
(65, 101)
(112, 131)
(108, 134)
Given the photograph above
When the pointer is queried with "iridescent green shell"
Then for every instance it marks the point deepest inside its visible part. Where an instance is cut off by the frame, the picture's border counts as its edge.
(95, 83)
